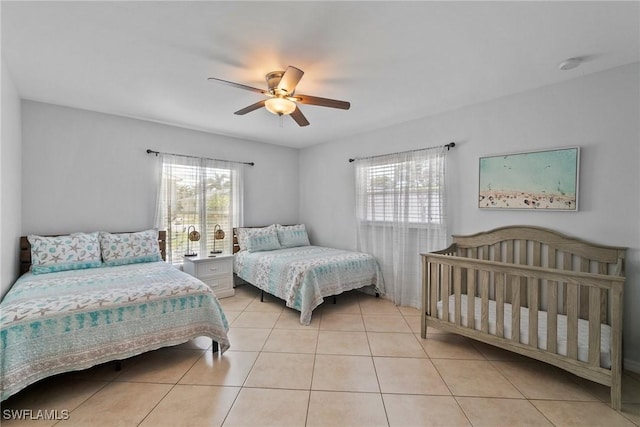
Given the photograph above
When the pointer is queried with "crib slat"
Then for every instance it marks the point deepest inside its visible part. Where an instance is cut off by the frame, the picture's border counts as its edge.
(500, 304)
(534, 305)
(522, 258)
(552, 317)
(551, 257)
(552, 306)
(572, 321)
(584, 291)
(435, 287)
(616, 347)
(537, 254)
(497, 252)
(471, 298)
(484, 290)
(594, 327)
(427, 284)
(446, 291)
(566, 265)
(457, 279)
(508, 258)
(509, 255)
(604, 295)
(515, 309)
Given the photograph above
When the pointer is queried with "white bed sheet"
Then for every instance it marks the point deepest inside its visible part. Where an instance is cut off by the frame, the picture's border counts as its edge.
(583, 328)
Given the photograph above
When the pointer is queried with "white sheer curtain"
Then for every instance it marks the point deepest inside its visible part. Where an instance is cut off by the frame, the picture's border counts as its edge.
(201, 193)
(400, 210)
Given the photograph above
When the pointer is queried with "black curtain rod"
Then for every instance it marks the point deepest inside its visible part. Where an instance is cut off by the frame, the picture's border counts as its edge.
(449, 147)
(150, 151)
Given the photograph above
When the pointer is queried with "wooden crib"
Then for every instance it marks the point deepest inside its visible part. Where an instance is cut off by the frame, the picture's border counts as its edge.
(535, 292)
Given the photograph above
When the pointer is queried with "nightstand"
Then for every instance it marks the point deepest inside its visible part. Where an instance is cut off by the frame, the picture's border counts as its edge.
(217, 272)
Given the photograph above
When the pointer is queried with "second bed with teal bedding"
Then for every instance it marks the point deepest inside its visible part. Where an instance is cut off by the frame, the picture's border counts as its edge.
(304, 276)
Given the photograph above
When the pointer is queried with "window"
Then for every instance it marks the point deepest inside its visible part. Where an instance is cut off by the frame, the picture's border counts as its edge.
(400, 206)
(198, 194)
(407, 190)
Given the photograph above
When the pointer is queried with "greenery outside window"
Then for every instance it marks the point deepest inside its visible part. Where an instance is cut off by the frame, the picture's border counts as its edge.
(198, 194)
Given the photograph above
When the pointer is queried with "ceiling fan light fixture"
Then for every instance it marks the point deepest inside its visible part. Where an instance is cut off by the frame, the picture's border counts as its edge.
(280, 106)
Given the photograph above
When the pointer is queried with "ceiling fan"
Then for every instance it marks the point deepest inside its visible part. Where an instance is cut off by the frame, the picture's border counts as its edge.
(282, 99)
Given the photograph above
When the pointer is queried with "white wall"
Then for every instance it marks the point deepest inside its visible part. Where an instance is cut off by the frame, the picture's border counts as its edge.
(85, 171)
(599, 112)
(10, 182)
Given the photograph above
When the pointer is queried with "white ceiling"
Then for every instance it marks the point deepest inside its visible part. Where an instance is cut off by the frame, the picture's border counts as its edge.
(394, 61)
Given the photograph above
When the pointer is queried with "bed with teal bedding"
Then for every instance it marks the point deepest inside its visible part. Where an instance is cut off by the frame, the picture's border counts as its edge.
(72, 320)
(303, 276)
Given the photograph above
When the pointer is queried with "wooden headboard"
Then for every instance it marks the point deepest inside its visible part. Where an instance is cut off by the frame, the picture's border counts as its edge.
(25, 250)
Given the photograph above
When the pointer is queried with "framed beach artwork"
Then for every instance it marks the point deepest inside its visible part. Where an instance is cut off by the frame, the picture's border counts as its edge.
(543, 180)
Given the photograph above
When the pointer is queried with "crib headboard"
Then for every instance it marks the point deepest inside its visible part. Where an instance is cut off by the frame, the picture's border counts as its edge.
(25, 250)
(541, 247)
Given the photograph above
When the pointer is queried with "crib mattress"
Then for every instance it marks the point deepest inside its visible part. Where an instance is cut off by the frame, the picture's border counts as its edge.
(583, 328)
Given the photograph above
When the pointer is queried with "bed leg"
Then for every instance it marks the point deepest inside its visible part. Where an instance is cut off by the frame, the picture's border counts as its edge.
(261, 295)
(377, 295)
(214, 346)
(118, 365)
(334, 299)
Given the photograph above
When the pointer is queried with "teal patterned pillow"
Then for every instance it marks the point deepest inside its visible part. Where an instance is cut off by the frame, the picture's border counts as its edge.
(244, 233)
(70, 252)
(130, 248)
(263, 242)
(293, 235)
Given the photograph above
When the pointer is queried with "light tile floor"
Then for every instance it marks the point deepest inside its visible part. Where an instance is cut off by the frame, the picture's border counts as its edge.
(361, 362)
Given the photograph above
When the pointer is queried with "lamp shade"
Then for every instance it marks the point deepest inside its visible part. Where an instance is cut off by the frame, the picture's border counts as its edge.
(280, 106)
(192, 236)
(218, 233)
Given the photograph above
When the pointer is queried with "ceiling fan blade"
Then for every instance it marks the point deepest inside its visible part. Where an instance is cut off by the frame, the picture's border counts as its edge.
(300, 119)
(250, 108)
(322, 102)
(240, 86)
(290, 79)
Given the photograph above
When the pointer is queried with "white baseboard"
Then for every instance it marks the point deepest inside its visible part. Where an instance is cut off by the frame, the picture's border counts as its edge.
(631, 365)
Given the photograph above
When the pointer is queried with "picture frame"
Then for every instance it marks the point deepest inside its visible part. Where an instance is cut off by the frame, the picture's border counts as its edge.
(545, 180)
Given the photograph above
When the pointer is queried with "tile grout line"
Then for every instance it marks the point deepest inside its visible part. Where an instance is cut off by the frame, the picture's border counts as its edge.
(375, 370)
(235, 399)
(313, 370)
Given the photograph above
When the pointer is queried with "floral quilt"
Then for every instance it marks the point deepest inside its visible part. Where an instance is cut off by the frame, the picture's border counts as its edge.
(304, 276)
(72, 320)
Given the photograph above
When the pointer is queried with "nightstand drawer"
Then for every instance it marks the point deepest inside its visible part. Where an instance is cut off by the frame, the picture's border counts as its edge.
(216, 283)
(214, 268)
